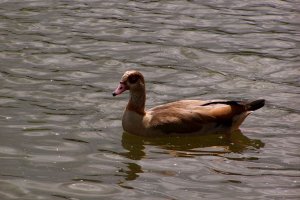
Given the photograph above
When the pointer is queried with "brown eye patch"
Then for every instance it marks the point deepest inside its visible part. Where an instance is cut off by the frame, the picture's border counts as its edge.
(133, 79)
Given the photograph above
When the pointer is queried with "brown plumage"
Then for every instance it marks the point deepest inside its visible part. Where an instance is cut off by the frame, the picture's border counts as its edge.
(179, 117)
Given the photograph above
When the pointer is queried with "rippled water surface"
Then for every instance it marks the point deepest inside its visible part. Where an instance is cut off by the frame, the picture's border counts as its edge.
(60, 128)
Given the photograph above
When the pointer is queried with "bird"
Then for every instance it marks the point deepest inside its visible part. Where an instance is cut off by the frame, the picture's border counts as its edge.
(180, 117)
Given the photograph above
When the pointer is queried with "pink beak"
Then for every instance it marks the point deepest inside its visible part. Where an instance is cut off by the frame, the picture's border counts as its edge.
(120, 89)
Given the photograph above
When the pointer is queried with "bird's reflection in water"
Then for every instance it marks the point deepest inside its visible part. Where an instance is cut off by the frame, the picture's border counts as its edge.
(236, 142)
(184, 146)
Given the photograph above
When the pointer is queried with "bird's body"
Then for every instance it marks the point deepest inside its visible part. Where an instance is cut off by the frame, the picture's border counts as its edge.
(179, 117)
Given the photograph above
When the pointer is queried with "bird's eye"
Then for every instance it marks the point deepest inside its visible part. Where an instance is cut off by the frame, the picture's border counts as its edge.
(132, 79)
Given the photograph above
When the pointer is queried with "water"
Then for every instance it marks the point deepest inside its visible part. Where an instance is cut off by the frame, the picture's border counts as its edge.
(61, 134)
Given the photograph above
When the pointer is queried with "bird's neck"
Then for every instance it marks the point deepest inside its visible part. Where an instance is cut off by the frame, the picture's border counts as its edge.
(137, 101)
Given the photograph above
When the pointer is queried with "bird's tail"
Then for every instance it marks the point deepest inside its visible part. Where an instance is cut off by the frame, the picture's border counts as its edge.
(254, 105)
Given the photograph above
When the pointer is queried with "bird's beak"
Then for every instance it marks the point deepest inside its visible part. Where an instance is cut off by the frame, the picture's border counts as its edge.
(120, 89)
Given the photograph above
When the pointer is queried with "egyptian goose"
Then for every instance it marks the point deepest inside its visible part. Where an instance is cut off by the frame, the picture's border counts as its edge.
(179, 117)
